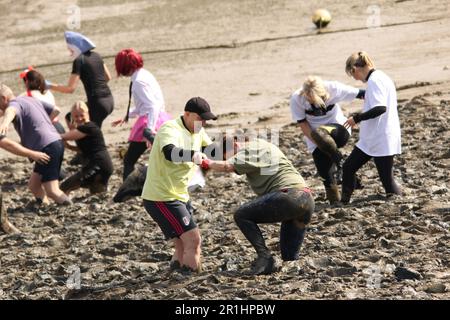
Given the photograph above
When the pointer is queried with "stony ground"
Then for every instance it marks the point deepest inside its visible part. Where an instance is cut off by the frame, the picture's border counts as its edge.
(371, 248)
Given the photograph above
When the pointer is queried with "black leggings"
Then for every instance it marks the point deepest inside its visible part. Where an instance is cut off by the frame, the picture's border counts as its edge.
(384, 166)
(290, 207)
(328, 138)
(135, 150)
(100, 108)
(92, 177)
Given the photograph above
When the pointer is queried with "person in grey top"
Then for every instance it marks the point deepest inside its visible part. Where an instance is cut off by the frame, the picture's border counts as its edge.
(32, 121)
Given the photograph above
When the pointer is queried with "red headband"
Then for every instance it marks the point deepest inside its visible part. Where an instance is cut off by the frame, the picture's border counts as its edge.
(23, 74)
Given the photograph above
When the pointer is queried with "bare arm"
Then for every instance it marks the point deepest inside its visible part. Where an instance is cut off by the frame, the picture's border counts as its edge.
(74, 134)
(306, 129)
(221, 166)
(71, 147)
(108, 75)
(70, 87)
(56, 112)
(18, 149)
(8, 117)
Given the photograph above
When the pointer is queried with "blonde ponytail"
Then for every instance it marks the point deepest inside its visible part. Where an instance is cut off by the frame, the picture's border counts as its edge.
(314, 91)
(358, 59)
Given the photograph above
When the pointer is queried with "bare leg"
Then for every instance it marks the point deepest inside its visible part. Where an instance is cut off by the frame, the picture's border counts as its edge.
(177, 259)
(54, 192)
(35, 186)
(191, 244)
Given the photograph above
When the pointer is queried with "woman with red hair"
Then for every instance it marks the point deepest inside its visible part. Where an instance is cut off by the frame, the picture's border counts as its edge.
(148, 106)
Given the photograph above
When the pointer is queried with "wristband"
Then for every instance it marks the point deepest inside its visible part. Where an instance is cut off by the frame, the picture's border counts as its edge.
(205, 164)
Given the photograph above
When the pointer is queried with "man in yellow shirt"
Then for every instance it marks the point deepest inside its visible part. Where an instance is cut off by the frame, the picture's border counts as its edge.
(176, 151)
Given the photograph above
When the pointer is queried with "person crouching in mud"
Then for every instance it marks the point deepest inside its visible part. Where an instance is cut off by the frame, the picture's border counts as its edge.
(98, 169)
(282, 197)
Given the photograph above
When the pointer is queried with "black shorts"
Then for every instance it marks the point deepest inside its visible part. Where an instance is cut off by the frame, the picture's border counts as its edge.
(173, 217)
(50, 171)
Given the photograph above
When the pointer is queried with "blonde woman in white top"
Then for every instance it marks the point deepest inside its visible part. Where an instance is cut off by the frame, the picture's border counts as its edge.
(315, 107)
(379, 136)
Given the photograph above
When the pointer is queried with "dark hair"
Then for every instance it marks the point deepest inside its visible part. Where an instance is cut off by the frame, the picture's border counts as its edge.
(34, 81)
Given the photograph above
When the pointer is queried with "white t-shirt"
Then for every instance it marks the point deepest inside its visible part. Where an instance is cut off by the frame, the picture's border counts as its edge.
(147, 96)
(46, 97)
(338, 92)
(380, 136)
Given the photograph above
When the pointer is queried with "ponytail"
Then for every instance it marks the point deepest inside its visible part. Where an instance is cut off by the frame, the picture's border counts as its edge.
(360, 60)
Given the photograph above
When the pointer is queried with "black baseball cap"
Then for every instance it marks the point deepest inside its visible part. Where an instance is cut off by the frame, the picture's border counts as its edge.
(201, 107)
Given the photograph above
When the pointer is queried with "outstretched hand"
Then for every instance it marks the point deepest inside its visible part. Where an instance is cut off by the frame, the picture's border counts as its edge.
(118, 122)
(350, 123)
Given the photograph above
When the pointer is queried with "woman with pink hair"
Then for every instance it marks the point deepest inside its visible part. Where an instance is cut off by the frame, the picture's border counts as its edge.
(148, 106)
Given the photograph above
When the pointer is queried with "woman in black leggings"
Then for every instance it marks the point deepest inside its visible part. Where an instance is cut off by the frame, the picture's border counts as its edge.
(379, 136)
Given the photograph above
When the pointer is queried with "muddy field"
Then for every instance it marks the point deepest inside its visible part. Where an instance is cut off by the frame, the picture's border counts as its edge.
(372, 248)
(245, 57)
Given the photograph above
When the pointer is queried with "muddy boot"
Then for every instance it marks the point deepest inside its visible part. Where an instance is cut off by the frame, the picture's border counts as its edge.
(174, 265)
(333, 195)
(132, 186)
(187, 271)
(358, 183)
(263, 265)
(345, 196)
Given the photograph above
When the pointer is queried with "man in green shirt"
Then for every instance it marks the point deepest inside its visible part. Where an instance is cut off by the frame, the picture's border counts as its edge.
(282, 197)
(176, 152)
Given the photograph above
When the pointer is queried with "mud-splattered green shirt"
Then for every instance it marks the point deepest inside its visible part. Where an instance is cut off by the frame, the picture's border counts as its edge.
(266, 167)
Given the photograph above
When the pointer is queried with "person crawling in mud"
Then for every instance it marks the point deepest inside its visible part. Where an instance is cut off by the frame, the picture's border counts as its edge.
(88, 137)
(282, 197)
(17, 149)
(32, 120)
